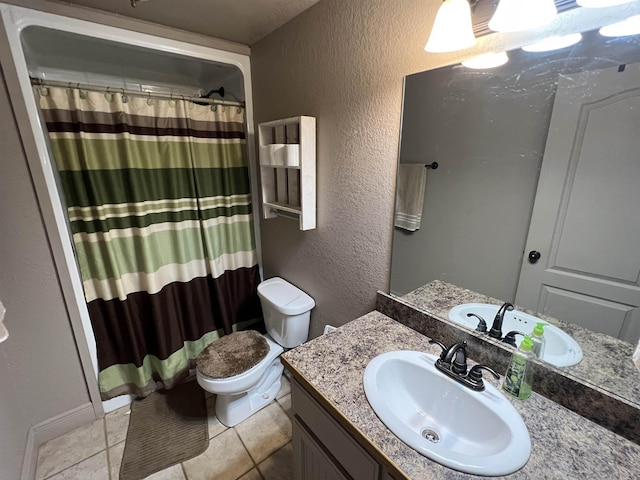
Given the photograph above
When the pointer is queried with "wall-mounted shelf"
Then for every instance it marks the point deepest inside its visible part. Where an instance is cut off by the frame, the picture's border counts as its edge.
(287, 152)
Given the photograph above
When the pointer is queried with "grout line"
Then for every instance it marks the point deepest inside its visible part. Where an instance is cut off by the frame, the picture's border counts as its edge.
(104, 427)
(106, 442)
(78, 463)
(281, 448)
(259, 473)
(184, 472)
(245, 447)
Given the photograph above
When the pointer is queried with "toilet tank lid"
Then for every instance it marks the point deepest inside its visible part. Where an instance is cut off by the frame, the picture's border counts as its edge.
(284, 297)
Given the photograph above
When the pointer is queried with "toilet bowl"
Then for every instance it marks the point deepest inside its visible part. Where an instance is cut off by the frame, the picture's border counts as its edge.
(287, 311)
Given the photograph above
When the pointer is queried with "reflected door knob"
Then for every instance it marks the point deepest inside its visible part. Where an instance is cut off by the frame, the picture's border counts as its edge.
(534, 256)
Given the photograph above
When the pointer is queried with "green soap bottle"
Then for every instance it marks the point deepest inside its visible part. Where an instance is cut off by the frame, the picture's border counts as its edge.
(539, 342)
(519, 376)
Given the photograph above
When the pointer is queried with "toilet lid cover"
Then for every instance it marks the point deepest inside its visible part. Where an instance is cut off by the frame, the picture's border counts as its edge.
(232, 354)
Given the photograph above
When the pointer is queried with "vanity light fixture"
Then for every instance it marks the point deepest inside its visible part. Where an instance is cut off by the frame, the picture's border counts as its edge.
(452, 29)
(554, 43)
(517, 15)
(630, 26)
(487, 60)
(600, 3)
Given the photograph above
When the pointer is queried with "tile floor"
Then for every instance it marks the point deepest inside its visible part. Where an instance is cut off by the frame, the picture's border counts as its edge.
(257, 449)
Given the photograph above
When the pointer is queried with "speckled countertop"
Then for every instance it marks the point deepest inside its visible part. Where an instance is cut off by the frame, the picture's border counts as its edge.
(564, 444)
(606, 362)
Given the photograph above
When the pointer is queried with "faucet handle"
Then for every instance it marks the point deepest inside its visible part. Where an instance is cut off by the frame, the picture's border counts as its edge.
(482, 324)
(474, 376)
(442, 346)
(510, 338)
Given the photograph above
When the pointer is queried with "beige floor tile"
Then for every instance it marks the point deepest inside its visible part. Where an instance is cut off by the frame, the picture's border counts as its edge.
(214, 425)
(117, 424)
(171, 473)
(252, 475)
(115, 459)
(285, 388)
(94, 468)
(70, 448)
(285, 403)
(278, 466)
(265, 432)
(225, 459)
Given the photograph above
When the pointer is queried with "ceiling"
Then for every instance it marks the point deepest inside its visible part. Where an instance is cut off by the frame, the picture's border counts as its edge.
(242, 21)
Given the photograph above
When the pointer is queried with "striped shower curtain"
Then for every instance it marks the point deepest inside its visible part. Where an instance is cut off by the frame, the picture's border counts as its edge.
(158, 200)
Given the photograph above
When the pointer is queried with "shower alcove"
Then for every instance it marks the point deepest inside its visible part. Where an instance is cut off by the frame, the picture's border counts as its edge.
(57, 48)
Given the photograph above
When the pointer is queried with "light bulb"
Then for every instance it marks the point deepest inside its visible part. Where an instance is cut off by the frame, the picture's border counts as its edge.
(452, 28)
(600, 3)
(517, 15)
(487, 60)
(554, 43)
(630, 26)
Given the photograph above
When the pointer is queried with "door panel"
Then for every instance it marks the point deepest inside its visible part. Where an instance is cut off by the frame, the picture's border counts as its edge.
(595, 313)
(585, 219)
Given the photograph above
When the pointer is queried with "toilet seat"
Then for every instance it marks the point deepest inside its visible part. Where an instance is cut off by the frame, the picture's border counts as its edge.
(232, 354)
(244, 381)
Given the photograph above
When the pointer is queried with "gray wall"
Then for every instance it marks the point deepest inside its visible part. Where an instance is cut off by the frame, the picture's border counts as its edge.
(39, 365)
(478, 202)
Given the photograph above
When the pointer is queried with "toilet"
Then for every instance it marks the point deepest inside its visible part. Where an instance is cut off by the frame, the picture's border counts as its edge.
(243, 369)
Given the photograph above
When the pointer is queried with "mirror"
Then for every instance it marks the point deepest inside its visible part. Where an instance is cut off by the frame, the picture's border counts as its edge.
(508, 140)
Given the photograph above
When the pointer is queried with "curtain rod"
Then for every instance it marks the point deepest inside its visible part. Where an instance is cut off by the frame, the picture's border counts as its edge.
(137, 93)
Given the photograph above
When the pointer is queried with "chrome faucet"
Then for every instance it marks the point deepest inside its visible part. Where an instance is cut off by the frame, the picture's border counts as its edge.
(496, 328)
(453, 363)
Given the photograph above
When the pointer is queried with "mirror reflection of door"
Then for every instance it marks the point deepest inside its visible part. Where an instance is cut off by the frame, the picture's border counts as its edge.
(585, 221)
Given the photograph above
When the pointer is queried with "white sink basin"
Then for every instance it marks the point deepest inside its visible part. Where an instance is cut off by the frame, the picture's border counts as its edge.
(473, 432)
(560, 350)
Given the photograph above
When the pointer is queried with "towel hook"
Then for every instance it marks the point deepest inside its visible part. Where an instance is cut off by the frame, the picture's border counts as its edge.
(432, 166)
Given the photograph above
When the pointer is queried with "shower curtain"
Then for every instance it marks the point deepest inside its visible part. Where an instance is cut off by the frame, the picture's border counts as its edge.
(159, 206)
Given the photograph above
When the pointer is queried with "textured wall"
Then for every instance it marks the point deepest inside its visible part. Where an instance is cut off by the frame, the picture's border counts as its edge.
(40, 372)
(343, 62)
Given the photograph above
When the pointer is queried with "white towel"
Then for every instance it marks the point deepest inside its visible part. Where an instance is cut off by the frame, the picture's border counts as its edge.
(636, 356)
(412, 179)
(3, 330)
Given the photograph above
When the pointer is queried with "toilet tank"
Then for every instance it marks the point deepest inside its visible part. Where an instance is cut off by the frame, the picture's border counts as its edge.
(287, 311)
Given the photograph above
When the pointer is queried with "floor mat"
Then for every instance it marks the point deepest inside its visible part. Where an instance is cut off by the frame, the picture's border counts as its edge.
(165, 428)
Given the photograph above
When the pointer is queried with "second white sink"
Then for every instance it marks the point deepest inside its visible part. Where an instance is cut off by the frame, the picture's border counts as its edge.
(560, 350)
(473, 432)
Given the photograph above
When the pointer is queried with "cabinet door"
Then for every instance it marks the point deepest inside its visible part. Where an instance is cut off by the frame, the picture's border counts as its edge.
(354, 461)
(310, 461)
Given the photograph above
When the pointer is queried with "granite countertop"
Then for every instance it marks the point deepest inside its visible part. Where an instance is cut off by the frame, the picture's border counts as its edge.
(607, 361)
(563, 444)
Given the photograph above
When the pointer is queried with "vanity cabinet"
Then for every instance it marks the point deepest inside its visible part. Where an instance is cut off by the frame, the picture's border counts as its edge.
(287, 152)
(322, 449)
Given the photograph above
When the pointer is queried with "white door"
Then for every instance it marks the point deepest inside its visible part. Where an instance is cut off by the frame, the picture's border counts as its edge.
(586, 217)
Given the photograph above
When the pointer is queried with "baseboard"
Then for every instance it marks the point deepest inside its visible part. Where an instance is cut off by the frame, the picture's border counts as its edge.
(116, 403)
(50, 429)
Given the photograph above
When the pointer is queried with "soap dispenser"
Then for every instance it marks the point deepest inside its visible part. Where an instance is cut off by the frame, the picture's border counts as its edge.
(539, 342)
(519, 376)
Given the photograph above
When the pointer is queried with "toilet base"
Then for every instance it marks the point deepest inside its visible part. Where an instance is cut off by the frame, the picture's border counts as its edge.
(233, 409)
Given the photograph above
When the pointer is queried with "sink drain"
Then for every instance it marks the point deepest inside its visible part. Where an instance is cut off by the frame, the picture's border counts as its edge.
(431, 435)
